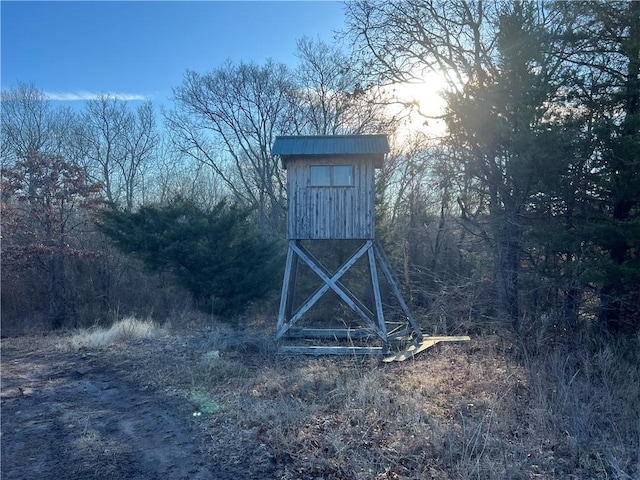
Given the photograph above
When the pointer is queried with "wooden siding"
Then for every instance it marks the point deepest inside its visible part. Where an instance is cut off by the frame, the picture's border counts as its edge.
(331, 212)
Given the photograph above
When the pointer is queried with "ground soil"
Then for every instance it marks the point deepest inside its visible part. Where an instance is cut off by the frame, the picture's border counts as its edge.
(208, 402)
(87, 414)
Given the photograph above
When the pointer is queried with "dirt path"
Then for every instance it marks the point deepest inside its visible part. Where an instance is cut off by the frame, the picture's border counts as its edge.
(75, 415)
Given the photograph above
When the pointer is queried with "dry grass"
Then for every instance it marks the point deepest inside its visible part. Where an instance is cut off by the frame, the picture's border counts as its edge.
(484, 410)
(125, 330)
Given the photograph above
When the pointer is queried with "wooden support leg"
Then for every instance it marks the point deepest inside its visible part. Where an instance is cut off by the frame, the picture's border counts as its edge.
(284, 311)
(376, 295)
(386, 269)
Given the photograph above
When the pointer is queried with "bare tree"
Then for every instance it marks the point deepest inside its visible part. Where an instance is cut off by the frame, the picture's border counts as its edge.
(331, 97)
(174, 174)
(30, 123)
(118, 144)
(228, 119)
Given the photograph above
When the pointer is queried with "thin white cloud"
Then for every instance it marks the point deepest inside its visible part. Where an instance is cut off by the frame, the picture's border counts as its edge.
(84, 95)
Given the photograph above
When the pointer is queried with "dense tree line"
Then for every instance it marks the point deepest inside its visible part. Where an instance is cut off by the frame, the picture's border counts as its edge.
(541, 153)
(525, 213)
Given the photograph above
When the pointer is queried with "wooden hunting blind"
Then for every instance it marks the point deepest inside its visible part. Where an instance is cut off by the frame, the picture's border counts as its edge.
(331, 197)
(330, 185)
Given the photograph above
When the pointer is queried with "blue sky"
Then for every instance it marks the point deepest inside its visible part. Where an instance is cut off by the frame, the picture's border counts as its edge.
(143, 48)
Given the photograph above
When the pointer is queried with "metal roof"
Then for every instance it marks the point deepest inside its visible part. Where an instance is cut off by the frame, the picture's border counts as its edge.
(330, 145)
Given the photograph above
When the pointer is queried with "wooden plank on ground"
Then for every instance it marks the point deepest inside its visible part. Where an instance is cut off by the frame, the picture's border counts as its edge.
(416, 348)
(320, 350)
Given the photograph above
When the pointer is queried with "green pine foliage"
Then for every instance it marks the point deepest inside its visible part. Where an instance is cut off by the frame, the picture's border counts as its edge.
(217, 254)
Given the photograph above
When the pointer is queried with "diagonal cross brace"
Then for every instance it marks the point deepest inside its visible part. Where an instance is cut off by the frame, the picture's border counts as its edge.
(329, 282)
(333, 283)
(338, 283)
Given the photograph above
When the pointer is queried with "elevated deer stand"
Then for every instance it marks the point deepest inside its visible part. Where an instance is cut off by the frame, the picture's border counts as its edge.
(330, 182)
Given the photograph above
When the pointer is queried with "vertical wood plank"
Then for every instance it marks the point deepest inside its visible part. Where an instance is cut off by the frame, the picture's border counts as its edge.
(376, 293)
(331, 212)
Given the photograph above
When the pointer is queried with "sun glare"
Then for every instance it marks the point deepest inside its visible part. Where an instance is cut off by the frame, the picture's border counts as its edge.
(427, 102)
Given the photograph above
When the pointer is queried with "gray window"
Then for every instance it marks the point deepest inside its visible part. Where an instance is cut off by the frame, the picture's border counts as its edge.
(332, 175)
(320, 176)
(342, 176)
